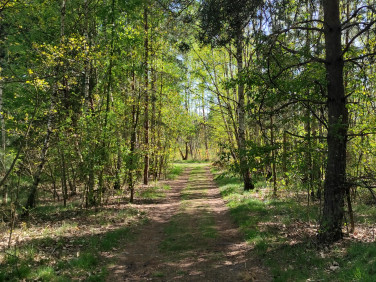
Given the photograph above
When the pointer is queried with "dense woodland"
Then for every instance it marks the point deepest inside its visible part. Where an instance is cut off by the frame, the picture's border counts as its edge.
(98, 97)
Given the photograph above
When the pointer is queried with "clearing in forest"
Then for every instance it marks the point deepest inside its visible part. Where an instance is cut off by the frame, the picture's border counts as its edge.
(189, 236)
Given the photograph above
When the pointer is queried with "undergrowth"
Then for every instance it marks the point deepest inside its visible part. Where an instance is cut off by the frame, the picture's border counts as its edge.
(282, 231)
(67, 244)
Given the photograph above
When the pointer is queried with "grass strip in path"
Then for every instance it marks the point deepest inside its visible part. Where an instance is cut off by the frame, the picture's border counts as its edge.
(142, 257)
(202, 242)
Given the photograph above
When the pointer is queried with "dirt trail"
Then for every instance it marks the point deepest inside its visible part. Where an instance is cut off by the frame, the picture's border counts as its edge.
(190, 237)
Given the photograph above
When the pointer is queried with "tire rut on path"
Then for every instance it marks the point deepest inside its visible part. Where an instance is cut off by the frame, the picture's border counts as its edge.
(190, 237)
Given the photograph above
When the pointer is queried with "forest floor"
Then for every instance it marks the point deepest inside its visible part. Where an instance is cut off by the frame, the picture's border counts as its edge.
(189, 237)
(199, 225)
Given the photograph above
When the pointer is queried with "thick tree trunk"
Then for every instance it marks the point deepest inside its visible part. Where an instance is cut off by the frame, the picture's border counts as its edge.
(335, 180)
(244, 170)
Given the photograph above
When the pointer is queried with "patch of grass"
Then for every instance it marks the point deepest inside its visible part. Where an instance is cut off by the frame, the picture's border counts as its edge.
(174, 172)
(228, 184)
(359, 263)
(365, 213)
(267, 225)
(152, 192)
(62, 254)
(111, 239)
(192, 228)
(85, 261)
(177, 235)
(166, 187)
(65, 227)
(185, 193)
(195, 162)
(45, 273)
(206, 224)
(158, 274)
(260, 221)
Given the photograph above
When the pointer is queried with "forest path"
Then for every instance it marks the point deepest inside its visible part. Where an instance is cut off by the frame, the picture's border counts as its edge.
(189, 237)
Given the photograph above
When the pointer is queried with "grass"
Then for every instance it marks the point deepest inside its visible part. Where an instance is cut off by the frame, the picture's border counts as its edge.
(192, 228)
(66, 244)
(153, 192)
(178, 237)
(282, 235)
(87, 262)
(175, 171)
(206, 225)
(186, 232)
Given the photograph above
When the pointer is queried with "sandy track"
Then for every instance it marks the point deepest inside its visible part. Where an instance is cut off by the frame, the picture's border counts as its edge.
(204, 244)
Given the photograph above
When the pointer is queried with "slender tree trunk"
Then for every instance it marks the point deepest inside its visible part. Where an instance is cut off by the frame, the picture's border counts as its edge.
(244, 169)
(3, 140)
(335, 180)
(146, 105)
(118, 163)
(154, 149)
(43, 156)
(205, 129)
(42, 159)
(63, 178)
(308, 156)
(131, 180)
(274, 169)
(87, 58)
(132, 153)
(284, 156)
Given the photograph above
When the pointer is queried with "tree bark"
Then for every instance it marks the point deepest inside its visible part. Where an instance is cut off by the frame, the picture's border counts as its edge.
(42, 160)
(274, 168)
(132, 153)
(146, 105)
(243, 164)
(3, 144)
(43, 156)
(335, 180)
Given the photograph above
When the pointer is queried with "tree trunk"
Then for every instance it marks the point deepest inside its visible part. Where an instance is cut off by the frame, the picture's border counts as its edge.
(43, 156)
(284, 156)
(63, 178)
(42, 160)
(146, 105)
(131, 181)
(335, 180)
(132, 153)
(308, 171)
(87, 59)
(3, 144)
(274, 169)
(244, 170)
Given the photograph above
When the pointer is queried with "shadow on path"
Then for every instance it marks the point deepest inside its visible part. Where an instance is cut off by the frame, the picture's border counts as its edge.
(190, 237)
